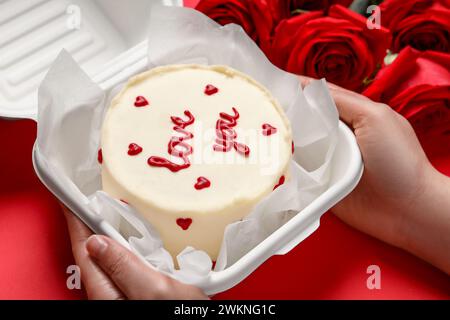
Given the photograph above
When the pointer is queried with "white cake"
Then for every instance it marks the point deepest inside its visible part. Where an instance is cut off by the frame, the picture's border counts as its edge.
(230, 145)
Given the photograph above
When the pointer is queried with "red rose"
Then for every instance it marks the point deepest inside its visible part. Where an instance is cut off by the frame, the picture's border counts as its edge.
(421, 24)
(257, 17)
(338, 47)
(417, 85)
(291, 6)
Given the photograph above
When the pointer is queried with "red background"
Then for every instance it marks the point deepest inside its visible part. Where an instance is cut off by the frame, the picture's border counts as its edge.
(330, 264)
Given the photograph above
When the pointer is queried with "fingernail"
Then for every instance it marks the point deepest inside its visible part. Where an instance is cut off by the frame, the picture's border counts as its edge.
(95, 245)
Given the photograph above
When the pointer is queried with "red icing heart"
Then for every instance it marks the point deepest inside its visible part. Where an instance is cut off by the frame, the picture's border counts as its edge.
(202, 183)
(134, 149)
(100, 156)
(210, 90)
(280, 182)
(268, 129)
(184, 223)
(141, 102)
(293, 147)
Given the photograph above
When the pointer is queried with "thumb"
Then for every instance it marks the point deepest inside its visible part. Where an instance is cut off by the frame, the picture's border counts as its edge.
(132, 276)
(122, 266)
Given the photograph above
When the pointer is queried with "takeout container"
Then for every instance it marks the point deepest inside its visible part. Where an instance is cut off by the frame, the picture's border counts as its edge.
(110, 47)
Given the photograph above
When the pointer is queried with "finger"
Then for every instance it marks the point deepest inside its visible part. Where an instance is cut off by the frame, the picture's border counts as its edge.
(332, 86)
(97, 284)
(351, 106)
(134, 278)
(304, 80)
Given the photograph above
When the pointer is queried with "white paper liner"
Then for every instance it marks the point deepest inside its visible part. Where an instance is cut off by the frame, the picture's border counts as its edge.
(71, 110)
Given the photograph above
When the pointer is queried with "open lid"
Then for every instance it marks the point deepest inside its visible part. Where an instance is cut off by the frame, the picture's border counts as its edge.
(94, 32)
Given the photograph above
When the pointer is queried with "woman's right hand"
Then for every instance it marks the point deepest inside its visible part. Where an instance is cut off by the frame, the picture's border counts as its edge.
(401, 199)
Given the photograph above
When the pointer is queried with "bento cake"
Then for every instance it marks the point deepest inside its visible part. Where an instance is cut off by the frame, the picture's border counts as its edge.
(194, 148)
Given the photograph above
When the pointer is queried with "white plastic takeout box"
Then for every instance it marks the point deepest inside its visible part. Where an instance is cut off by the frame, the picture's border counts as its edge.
(110, 45)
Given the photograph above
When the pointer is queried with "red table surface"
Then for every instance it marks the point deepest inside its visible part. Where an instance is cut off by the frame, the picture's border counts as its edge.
(330, 264)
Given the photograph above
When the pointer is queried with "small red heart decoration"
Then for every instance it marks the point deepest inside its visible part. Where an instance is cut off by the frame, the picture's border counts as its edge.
(134, 149)
(210, 90)
(280, 182)
(100, 156)
(141, 102)
(293, 147)
(268, 129)
(202, 183)
(184, 223)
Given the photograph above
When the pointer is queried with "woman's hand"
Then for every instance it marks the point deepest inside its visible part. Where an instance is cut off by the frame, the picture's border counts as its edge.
(401, 199)
(396, 170)
(110, 271)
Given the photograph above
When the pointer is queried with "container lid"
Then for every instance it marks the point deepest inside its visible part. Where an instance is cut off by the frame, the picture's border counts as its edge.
(94, 32)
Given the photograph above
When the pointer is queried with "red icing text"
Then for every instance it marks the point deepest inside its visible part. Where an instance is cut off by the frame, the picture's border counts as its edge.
(177, 146)
(226, 135)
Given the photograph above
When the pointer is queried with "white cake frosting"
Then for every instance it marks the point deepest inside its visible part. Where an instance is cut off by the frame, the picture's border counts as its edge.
(213, 183)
